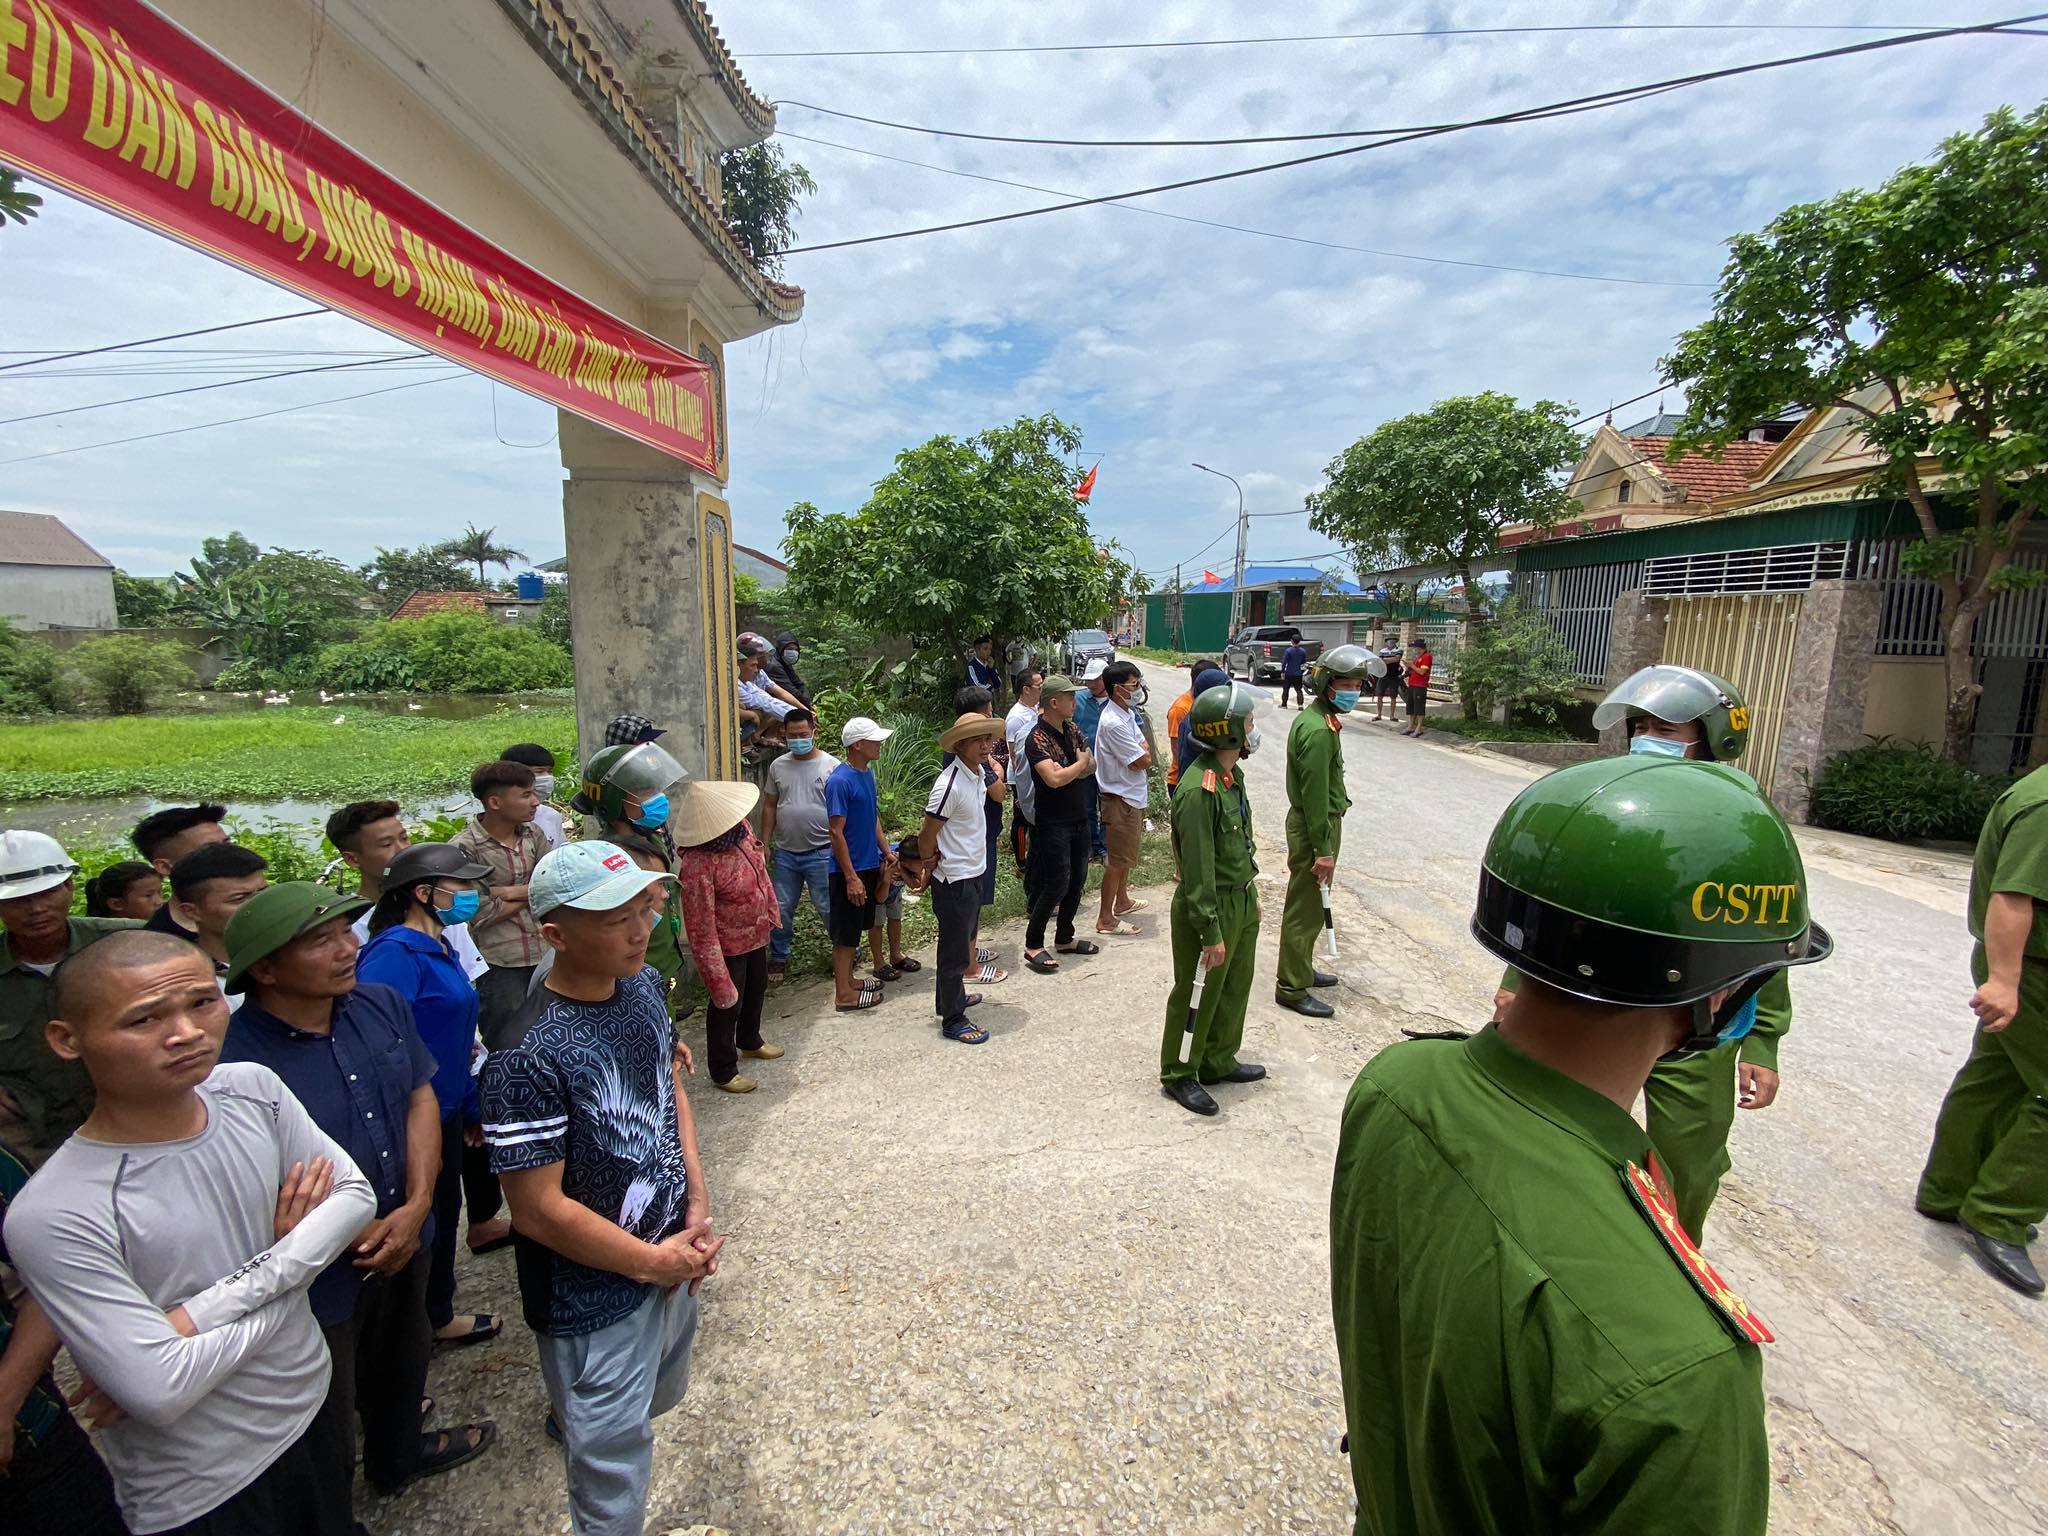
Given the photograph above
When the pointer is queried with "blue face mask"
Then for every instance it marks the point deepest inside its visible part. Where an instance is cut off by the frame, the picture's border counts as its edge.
(1646, 745)
(802, 744)
(460, 909)
(653, 812)
(1344, 700)
(1743, 1022)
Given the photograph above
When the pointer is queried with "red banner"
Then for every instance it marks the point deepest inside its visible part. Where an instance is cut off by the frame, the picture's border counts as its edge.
(110, 101)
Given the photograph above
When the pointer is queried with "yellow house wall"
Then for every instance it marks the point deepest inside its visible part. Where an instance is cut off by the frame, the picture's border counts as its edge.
(1905, 701)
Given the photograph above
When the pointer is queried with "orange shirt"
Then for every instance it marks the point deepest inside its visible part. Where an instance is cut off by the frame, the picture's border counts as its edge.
(1176, 713)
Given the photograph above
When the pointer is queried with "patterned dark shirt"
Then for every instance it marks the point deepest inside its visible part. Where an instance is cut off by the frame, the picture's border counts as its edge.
(44, 1406)
(589, 1087)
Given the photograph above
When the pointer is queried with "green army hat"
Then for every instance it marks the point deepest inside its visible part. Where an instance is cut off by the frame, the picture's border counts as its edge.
(1679, 694)
(1343, 661)
(1222, 716)
(1055, 685)
(276, 915)
(1647, 882)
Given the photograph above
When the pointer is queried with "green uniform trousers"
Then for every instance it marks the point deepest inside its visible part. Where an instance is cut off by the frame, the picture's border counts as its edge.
(1989, 1162)
(1688, 1109)
(1219, 1026)
(1301, 919)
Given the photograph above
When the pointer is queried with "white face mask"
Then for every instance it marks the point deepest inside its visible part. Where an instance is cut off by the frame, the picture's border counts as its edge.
(1646, 745)
(544, 785)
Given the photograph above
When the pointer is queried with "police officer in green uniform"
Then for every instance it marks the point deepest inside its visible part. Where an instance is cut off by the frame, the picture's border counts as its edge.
(1528, 1339)
(1316, 803)
(1215, 912)
(1988, 1168)
(1673, 711)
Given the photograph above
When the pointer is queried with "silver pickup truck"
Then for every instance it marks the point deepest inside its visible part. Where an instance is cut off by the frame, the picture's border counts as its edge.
(1256, 652)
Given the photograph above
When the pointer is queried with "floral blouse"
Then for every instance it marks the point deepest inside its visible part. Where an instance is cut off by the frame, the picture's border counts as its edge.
(729, 908)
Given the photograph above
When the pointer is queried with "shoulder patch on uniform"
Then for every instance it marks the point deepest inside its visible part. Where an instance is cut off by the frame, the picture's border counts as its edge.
(1335, 724)
(1437, 1034)
(1209, 780)
(1733, 1311)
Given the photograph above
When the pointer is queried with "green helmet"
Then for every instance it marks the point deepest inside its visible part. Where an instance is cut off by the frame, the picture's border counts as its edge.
(1344, 661)
(1679, 694)
(1221, 717)
(614, 775)
(1648, 882)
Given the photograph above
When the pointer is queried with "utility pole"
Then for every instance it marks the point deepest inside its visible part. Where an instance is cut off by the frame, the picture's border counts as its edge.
(1176, 609)
(1244, 528)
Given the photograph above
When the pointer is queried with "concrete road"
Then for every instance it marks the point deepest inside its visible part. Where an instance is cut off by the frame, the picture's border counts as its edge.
(1012, 1288)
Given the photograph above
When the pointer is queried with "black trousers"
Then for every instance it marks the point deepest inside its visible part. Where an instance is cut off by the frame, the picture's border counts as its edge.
(59, 1485)
(1059, 874)
(501, 993)
(728, 1031)
(465, 1174)
(304, 1492)
(956, 904)
(480, 1190)
(1294, 682)
(1021, 835)
(380, 1373)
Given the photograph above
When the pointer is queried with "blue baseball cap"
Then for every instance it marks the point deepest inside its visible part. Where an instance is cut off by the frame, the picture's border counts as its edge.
(591, 876)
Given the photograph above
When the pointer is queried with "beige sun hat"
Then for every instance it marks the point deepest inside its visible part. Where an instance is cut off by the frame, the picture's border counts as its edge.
(972, 724)
(709, 807)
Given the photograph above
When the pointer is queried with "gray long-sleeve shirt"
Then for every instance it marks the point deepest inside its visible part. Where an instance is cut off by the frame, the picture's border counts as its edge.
(108, 1236)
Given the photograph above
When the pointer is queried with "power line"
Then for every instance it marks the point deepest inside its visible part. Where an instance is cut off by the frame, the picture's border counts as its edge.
(201, 426)
(1316, 37)
(1005, 138)
(1246, 229)
(1555, 109)
(122, 346)
(198, 389)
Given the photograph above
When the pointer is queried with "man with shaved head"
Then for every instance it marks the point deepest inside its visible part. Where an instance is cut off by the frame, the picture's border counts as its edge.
(170, 1241)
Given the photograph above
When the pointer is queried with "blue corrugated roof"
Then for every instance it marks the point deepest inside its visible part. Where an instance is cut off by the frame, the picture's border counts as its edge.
(1277, 576)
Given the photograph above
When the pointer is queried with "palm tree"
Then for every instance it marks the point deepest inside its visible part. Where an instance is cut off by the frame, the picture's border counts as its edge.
(475, 547)
(16, 201)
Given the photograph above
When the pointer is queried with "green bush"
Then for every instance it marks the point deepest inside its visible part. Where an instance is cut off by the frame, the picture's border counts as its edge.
(904, 772)
(446, 653)
(32, 681)
(126, 674)
(1494, 730)
(1901, 790)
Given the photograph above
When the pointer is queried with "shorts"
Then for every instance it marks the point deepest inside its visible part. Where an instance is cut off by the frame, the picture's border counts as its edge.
(1123, 826)
(848, 923)
(890, 911)
(1418, 698)
(1390, 685)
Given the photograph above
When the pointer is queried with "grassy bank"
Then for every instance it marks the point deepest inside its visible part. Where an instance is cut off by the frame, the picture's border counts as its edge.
(1492, 730)
(278, 753)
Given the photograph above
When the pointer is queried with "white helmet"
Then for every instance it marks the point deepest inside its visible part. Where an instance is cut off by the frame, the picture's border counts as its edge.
(32, 862)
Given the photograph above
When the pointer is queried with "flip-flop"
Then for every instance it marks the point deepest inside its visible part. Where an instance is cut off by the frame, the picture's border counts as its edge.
(870, 985)
(906, 964)
(965, 1034)
(989, 973)
(985, 956)
(1122, 930)
(1136, 904)
(482, 1326)
(866, 1000)
(1042, 963)
(973, 1000)
(454, 1450)
(887, 973)
(1081, 947)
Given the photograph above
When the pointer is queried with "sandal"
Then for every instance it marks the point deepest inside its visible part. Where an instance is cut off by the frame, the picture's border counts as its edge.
(965, 1033)
(1135, 904)
(482, 1326)
(777, 972)
(989, 973)
(863, 1000)
(1081, 947)
(869, 985)
(490, 1244)
(450, 1449)
(1122, 930)
(1041, 962)
(985, 955)
(887, 973)
(973, 1000)
(905, 964)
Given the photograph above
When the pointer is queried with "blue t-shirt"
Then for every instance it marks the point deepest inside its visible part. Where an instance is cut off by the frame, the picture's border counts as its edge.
(357, 1083)
(425, 972)
(1088, 714)
(589, 1088)
(1293, 661)
(850, 792)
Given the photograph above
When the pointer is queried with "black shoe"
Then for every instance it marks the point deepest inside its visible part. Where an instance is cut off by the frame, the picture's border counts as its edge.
(1243, 1072)
(2008, 1261)
(1953, 1220)
(1323, 979)
(1307, 1004)
(1189, 1094)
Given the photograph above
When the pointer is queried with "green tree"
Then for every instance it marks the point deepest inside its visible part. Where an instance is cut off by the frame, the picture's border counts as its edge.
(1921, 309)
(16, 201)
(553, 618)
(141, 602)
(398, 573)
(1327, 595)
(221, 558)
(448, 652)
(1437, 487)
(32, 681)
(126, 674)
(964, 535)
(763, 194)
(476, 547)
(1518, 659)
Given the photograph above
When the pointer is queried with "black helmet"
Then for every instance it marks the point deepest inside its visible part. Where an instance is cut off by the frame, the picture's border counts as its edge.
(431, 861)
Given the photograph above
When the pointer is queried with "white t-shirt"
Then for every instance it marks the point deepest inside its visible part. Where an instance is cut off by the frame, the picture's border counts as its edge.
(459, 942)
(549, 820)
(1017, 725)
(957, 797)
(1118, 743)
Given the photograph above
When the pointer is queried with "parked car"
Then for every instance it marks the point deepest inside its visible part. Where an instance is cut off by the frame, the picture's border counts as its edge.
(1256, 651)
(1083, 646)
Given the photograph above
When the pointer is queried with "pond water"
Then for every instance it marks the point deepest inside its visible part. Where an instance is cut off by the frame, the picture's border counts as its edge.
(84, 823)
(429, 706)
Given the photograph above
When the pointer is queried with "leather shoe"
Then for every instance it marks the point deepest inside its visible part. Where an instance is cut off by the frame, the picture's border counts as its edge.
(765, 1051)
(1189, 1094)
(1323, 979)
(1953, 1220)
(1243, 1072)
(2008, 1261)
(1308, 1004)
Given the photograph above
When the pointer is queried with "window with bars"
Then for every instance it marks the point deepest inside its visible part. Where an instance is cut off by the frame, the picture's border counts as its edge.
(1579, 603)
(1787, 568)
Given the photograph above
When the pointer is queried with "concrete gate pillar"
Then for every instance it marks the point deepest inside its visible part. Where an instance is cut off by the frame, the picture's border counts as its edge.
(1635, 639)
(650, 597)
(1829, 682)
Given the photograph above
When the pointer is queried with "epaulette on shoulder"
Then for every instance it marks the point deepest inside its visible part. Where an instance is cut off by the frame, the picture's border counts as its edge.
(1650, 1197)
(1209, 780)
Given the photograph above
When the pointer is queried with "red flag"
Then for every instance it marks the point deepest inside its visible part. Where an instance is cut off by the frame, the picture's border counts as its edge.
(1087, 486)
(1210, 578)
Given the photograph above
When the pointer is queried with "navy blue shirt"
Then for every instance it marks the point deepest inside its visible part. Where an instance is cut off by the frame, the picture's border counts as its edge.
(425, 972)
(1294, 660)
(850, 792)
(983, 674)
(357, 1083)
(589, 1087)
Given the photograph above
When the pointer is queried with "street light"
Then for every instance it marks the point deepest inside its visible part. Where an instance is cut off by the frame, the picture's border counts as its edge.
(1237, 570)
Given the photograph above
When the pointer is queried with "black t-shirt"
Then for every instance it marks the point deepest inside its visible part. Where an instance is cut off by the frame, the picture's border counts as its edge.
(1069, 802)
(161, 921)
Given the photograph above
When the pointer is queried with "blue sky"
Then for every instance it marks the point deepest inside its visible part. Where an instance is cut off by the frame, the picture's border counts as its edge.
(1164, 341)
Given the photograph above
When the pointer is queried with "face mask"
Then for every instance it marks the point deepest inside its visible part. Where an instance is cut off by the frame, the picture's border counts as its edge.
(791, 655)
(1741, 1024)
(653, 813)
(544, 785)
(1646, 745)
(1251, 742)
(1344, 700)
(801, 744)
(460, 909)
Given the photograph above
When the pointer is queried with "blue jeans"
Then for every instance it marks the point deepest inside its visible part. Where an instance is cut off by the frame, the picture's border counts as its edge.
(1097, 848)
(792, 874)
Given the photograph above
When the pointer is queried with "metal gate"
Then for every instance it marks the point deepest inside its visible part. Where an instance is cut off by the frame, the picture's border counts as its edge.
(1746, 638)
(1441, 636)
